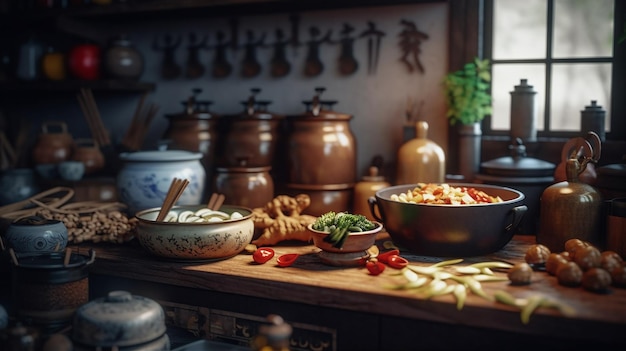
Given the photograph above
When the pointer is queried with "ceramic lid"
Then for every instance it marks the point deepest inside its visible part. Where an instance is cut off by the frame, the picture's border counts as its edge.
(119, 319)
(318, 109)
(160, 156)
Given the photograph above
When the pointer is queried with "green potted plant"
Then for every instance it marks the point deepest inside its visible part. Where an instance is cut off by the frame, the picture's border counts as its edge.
(468, 99)
(467, 93)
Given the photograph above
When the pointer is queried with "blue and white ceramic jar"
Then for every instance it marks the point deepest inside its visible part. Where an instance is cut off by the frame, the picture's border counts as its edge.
(36, 234)
(146, 176)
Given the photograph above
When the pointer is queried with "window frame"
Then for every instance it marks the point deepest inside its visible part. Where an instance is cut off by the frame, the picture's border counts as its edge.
(617, 121)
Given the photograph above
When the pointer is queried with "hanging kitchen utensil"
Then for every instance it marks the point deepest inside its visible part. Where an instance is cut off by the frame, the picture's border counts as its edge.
(410, 40)
(233, 23)
(294, 40)
(221, 67)
(374, 37)
(347, 62)
(250, 66)
(313, 66)
(194, 68)
(169, 68)
(279, 65)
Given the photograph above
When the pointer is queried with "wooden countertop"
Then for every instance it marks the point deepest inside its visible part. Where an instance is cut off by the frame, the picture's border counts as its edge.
(598, 316)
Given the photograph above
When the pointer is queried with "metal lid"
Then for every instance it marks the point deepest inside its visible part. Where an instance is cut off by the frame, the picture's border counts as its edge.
(119, 319)
(518, 164)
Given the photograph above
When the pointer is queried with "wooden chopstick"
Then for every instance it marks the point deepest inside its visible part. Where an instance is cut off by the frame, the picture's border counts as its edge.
(173, 194)
(215, 201)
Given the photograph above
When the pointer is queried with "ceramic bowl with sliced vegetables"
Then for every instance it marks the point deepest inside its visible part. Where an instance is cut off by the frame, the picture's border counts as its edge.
(195, 232)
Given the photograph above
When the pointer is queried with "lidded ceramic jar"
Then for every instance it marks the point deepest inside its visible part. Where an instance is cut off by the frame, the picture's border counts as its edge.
(120, 321)
(54, 145)
(250, 187)
(319, 140)
(122, 60)
(146, 176)
(195, 130)
(252, 135)
(36, 234)
(570, 210)
(321, 158)
(421, 160)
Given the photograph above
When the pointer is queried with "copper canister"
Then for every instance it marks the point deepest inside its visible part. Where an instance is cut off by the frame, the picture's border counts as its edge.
(252, 135)
(321, 147)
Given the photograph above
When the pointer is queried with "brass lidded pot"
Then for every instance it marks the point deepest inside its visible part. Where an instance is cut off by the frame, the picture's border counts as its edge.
(252, 135)
(366, 188)
(570, 210)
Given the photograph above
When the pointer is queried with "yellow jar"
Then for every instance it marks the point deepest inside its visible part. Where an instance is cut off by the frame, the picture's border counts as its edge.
(420, 160)
(363, 190)
(53, 65)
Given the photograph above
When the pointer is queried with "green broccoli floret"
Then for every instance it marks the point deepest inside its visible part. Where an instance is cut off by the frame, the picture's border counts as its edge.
(339, 225)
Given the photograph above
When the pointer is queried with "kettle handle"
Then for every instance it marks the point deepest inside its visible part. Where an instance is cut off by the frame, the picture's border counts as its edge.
(518, 214)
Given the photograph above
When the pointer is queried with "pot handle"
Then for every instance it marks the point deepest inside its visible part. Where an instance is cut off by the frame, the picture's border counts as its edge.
(518, 214)
(373, 205)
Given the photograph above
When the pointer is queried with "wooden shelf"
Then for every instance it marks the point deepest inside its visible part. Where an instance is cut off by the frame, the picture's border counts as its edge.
(73, 85)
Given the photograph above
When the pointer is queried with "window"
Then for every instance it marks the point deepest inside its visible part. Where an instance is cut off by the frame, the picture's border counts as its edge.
(565, 50)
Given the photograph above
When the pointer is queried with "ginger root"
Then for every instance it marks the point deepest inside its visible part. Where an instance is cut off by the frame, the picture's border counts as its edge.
(281, 219)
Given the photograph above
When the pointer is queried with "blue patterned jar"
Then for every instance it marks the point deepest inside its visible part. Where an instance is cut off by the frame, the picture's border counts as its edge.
(146, 176)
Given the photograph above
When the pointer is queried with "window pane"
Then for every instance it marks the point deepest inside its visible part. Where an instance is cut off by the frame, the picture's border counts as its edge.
(505, 78)
(583, 28)
(519, 29)
(573, 88)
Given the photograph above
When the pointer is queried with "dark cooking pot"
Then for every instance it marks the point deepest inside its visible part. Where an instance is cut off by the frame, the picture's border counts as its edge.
(450, 230)
(48, 287)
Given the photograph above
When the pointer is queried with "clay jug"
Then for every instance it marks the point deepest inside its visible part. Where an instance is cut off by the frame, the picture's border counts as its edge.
(569, 210)
(421, 160)
(88, 152)
(54, 144)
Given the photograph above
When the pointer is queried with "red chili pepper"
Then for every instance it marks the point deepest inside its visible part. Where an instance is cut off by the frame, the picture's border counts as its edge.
(375, 267)
(384, 257)
(287, 260)
(263, 255)
(397, 262)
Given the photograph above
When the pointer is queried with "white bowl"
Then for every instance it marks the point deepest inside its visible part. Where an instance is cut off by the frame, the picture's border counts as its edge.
(195, 241)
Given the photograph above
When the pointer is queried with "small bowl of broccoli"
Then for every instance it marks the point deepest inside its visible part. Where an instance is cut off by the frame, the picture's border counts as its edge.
(343, 232)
